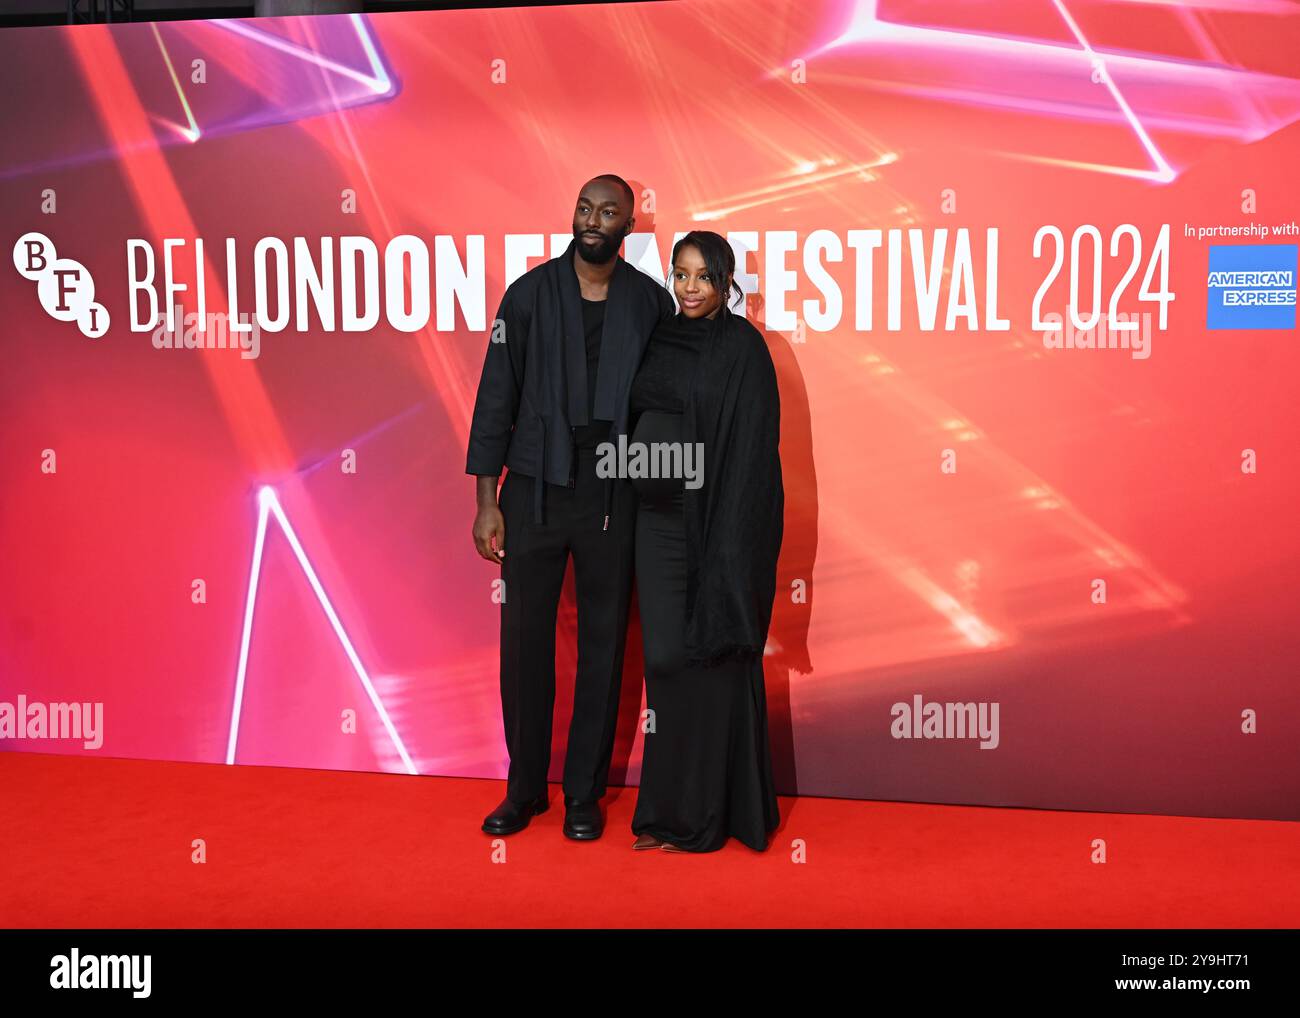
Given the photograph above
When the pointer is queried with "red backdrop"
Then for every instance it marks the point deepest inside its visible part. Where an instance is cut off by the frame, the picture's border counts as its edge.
(898, 578)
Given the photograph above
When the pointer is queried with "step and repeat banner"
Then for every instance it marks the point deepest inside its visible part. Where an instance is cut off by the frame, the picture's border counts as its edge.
(1027, 272)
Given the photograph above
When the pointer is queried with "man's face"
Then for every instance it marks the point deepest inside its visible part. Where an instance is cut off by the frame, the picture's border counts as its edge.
(601, 219)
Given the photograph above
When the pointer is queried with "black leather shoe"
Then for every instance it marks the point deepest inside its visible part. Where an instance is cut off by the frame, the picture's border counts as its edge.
(583, 821)
(512, 816)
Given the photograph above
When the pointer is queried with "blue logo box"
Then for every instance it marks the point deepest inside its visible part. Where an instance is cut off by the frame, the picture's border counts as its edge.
(1251, 286)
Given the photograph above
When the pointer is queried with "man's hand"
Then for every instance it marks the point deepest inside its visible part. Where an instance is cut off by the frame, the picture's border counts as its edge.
(489, 524)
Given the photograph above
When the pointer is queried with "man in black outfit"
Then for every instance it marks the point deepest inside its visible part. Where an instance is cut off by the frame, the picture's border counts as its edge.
(559, 364)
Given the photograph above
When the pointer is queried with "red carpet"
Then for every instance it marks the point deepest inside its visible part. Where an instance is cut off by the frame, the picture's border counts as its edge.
(95, 842)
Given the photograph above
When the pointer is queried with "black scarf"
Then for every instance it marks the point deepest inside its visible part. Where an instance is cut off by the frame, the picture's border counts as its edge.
(618, 357)
(734, 520)
(559, 306)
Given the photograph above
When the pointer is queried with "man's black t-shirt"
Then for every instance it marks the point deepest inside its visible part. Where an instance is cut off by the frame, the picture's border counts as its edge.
(590, 435)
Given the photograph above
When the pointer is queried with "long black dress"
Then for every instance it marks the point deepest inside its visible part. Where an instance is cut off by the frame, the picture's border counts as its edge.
(706, 770)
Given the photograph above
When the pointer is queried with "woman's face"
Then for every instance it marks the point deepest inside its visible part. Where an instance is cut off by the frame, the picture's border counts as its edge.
(698, 294)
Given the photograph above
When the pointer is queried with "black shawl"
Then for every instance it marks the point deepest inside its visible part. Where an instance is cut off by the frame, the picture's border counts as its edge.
(734, 520)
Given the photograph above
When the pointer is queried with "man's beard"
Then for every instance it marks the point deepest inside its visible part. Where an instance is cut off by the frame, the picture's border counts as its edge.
(602, 252)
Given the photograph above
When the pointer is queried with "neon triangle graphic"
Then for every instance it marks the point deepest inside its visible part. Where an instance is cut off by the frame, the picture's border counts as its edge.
(867, 25)
(268, 505)
(376, 81)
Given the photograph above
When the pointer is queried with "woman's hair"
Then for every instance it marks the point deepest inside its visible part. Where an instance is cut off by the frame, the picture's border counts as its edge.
(719, 261)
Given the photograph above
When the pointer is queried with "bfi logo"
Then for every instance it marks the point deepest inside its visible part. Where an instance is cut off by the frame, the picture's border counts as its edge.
(65, 287)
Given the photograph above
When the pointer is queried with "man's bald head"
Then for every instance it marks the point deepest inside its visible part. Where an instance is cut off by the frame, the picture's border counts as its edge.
(620, 183)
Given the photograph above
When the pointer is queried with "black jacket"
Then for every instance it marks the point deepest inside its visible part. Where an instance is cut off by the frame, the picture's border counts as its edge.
(533, 390)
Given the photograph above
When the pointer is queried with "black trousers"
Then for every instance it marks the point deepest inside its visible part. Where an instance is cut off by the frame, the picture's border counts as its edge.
(533, 570)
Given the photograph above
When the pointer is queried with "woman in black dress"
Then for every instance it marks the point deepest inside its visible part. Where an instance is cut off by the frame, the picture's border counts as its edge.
(706, 551)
